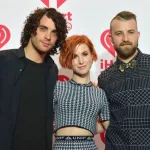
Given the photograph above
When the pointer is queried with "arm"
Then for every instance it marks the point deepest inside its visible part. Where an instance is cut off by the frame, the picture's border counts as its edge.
(105, 124)
(101, 126)
(103, 120)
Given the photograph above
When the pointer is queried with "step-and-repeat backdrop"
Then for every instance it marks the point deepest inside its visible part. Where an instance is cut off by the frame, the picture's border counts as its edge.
(89, 17)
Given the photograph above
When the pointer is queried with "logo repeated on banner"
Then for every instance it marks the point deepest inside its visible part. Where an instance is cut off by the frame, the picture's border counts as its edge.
(102, 136)
(106, 42)
(48, 2)
(4, 35)
(68, 15)
(104, 39)
(63, 78)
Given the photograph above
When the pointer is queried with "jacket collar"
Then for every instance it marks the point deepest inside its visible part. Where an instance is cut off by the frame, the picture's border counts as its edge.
(136, 58)
(21, 54)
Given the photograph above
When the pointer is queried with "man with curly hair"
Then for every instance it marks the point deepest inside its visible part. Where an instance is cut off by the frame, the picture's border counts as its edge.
(27, 79)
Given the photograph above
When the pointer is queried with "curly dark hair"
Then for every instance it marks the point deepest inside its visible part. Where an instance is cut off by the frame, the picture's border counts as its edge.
(33, 20)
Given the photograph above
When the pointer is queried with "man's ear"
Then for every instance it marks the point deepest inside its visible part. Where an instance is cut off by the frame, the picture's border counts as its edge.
(138, 34)
(110, 38)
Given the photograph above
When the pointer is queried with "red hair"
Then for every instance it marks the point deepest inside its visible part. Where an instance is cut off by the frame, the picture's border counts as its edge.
(68, 47)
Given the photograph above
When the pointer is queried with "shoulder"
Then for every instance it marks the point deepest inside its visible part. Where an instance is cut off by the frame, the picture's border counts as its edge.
(106, 74)
(6, 55)
(144, 60)
(108, 71)
(145, 56)
(99, 90)
(62, 83)
(61, 86)
(8, 51)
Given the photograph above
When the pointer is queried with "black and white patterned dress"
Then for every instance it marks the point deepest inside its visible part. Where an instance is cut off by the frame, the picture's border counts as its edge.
(78, 105)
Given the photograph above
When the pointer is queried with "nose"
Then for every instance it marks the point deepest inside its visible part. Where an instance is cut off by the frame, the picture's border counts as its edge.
(48, 36)
(81, 61)
(125, 37)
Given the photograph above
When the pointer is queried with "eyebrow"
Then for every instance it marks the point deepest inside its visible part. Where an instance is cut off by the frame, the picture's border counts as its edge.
(132, 30)
(85, 51)
(43, 26)
(128, 30)
(46, 27)
(118, 31)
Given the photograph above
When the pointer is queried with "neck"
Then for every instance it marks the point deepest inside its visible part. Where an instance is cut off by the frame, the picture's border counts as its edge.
(81, 79)
(128, 59)
(33, 54)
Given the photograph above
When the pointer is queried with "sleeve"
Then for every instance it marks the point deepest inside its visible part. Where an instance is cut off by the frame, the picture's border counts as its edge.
(105, 112)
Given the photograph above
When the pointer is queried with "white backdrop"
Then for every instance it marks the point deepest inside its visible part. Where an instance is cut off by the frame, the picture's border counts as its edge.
(89, 17)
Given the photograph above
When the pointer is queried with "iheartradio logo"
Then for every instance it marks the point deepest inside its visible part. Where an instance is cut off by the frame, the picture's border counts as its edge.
(63, 78)
(68, 17)
(4, 35)
(104, 39)
(48, 3)
(58, 3)
(102, 136)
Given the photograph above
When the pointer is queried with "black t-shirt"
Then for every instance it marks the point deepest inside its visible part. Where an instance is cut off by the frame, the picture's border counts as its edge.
(30, 130)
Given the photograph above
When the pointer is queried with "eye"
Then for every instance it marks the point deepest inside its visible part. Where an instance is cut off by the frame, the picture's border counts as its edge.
(42, 28)
(118, 33)
(131, 32)
(54, 32)
(85, 54)
(75, 56)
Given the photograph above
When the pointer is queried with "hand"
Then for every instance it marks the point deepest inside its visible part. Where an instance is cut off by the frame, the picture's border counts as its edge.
(95, 84)
(99, 126)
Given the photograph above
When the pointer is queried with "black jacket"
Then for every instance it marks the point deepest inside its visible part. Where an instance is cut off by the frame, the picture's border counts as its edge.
(11, 68)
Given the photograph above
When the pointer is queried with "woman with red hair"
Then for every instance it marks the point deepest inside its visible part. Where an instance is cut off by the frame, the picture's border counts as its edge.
(77, 103)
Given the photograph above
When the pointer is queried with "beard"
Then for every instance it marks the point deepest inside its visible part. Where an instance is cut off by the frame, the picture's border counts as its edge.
(38, 49)
(126, 49)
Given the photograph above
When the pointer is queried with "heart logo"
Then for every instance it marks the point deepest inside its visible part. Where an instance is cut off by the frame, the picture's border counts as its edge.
(104, 39)
(60, 2)
(48, 3)
(102, 136)
(4, 35)
(63, 78)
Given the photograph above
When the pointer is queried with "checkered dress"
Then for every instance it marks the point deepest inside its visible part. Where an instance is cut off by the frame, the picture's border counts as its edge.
(128, 94)
(76, 144)
(79, 105)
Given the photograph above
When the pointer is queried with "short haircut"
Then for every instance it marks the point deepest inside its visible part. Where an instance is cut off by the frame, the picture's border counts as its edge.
(68, 47)
(123, 15)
